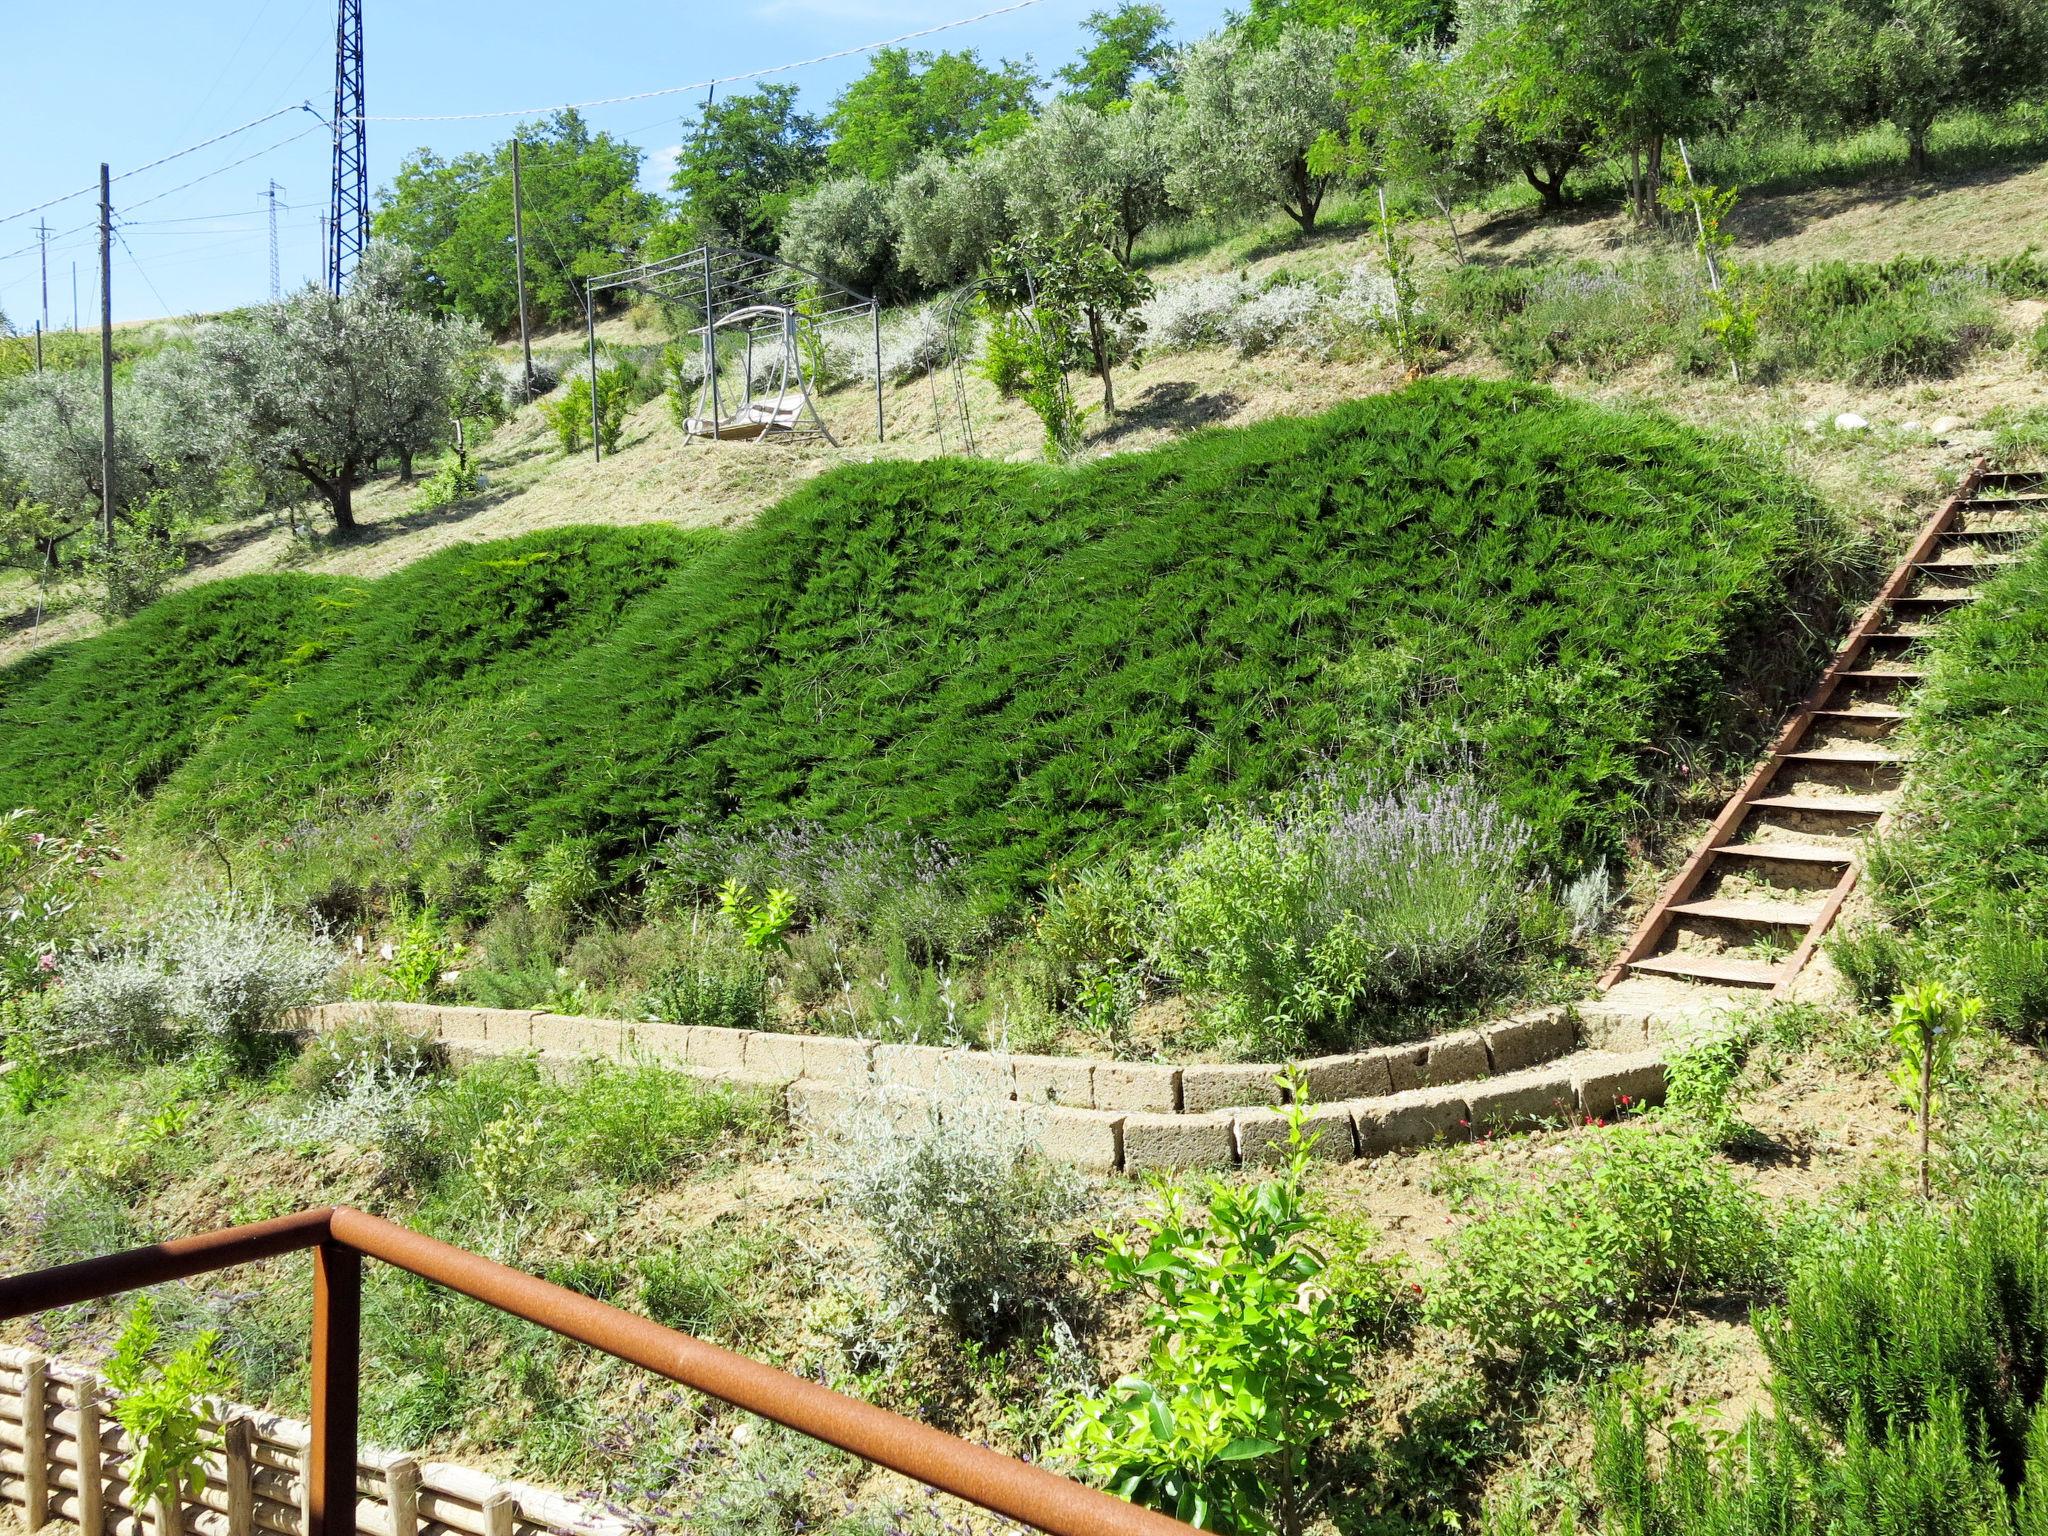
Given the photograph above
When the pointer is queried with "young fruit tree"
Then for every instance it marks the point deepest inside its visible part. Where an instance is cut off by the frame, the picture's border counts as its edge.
(1251, 118)
(323, 385)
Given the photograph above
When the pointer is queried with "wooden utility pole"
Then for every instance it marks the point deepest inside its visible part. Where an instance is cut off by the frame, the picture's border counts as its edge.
(39, 346)
(106, 362)
(43, 239)
(519, 276)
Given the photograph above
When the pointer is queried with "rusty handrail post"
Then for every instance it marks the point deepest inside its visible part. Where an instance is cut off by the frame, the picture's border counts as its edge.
(337, 1362)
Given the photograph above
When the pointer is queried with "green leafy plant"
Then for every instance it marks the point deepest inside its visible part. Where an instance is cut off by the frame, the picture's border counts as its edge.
(420, 955)
(1927, 1020)
(1569, 1271)
(1250, 1363)
(761, 925)
(1699, 1085)
(161, 1402)
(1731, 323)
(452, 480)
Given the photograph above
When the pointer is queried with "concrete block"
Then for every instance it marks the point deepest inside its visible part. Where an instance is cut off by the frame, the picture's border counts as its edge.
(1205, 1087)
(1404, 1064)
(1169, 1143)
(512, 1027)
(816, 1105)
(718, 1050)
(663, 1045)
(1539, 1096)
(768, 1054)
(1137, 1085)
(1088, 1139)
(1455, 1059)
(975, 1075)
(1054, 1080)
(1603, 1079)
(1404, 1121)
(1359, 1075)
(571, 1035)
(1262, 1135)
(837, 1059)
(1527, 1039)
(908, 1066)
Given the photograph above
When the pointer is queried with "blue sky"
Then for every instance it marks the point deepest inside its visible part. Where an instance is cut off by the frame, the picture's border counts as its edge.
(126, 82)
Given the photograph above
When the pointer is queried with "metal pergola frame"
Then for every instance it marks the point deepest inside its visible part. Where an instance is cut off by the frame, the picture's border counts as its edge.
(719, 283)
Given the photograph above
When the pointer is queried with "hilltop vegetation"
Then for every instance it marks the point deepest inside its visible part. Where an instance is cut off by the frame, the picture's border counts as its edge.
(1032, 667)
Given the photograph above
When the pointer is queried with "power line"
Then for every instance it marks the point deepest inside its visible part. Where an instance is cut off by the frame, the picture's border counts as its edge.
(176, 154)
(699, 85)
(157, 197)
(140, 270)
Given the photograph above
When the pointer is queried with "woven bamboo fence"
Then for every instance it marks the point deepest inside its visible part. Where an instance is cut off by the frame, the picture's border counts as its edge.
(63, 1458)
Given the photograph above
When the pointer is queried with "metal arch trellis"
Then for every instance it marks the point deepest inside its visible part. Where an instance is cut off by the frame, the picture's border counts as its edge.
(757, 298)
(957, 318)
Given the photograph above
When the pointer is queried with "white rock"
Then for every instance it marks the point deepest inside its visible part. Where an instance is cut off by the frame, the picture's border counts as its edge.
(1909, 426)
(1809, 425)
(1849, 421)
(1941, 426)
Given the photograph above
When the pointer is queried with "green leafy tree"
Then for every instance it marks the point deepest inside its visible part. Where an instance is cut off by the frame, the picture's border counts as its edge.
(1076, 288)
(908, 103)
(1898, 61)
(1927, 1020)
(1253, 116)
(581, 205)
(161, 1402)
(949, 215)
(1536, 113)
(749, 156)
(1250, 1361)
(1129, 42)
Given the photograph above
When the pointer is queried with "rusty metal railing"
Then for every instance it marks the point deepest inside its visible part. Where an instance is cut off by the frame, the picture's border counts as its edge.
(341, 1238)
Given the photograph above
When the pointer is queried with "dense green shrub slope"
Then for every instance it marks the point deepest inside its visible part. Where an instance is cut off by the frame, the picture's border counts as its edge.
(1970, 861)
(1037, 665)
(266, 687)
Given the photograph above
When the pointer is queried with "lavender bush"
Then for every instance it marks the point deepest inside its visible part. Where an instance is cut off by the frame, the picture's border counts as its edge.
(1422, 884)
(1293, 921)
(879, 881)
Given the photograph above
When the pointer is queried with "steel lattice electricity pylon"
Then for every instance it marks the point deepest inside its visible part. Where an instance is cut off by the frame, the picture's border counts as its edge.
(348, 223)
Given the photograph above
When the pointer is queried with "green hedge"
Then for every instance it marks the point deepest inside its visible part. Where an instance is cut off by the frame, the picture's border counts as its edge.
(1037, 665)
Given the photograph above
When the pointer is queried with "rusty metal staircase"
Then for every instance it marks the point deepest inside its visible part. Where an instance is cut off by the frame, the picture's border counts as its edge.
(1747, 909)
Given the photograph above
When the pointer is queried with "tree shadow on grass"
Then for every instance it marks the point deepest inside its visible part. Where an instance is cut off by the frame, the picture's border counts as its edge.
(1175, 407)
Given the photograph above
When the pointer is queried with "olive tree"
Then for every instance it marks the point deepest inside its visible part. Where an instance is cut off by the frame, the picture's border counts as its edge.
(1075, 154)
(1252, 117)
(842, 230)
(323, 385)
(949, 215)
(50, 447)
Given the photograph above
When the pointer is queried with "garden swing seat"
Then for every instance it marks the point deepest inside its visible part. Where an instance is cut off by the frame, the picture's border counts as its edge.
(757, 419)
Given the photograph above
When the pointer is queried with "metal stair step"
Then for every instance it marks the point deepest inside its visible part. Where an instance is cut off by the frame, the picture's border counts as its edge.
(1864, 756)
(1741, 973)
(1787, 853)
(1761, 914)
(1869, 712)
(1823, 805)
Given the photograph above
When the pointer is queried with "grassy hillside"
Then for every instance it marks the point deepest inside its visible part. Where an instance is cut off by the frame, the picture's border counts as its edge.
(1028, 665)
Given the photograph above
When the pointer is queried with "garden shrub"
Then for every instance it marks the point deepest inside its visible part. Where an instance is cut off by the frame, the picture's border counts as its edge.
(1967, 867)
(118, 1000)
(1343, 897)
(238, 967)
(963, 1208)
(715, 982)
(1877, 961)
(1250, 1360)
(1031, 666)
(1571, 1270)
(1909, 1360)
(1909, 1308)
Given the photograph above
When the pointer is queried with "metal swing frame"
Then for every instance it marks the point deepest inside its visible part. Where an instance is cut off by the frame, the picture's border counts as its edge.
(728, 290)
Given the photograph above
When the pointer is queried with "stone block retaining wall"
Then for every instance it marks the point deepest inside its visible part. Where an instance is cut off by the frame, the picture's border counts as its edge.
(1108, 1116)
